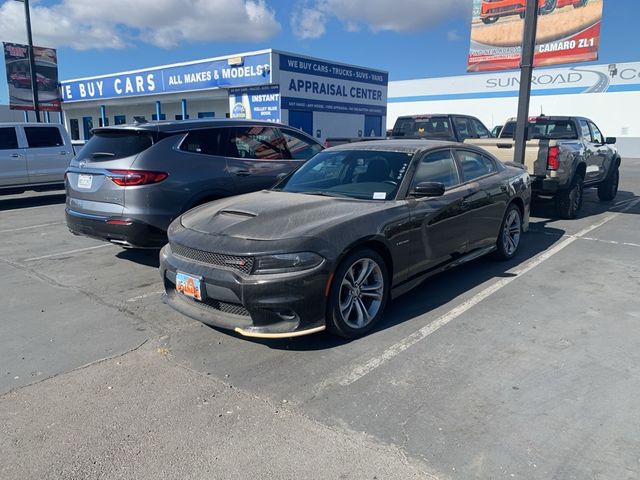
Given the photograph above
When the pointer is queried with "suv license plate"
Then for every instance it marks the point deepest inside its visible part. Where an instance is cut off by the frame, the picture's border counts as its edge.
(85, 181)
(189, 286)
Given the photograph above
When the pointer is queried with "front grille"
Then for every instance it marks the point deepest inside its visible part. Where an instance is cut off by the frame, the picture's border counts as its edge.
(217, 305)
(240, 264)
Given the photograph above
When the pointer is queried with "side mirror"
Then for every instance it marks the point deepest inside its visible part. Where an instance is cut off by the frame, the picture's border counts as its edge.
(428, 189)
(611, 140)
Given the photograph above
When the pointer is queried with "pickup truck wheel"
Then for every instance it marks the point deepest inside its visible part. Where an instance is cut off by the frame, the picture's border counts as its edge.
(608, 189)
(510, 234)
(489, 20)
(568, 202)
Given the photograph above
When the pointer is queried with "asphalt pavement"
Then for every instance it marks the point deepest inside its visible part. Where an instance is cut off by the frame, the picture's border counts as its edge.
(526, 369)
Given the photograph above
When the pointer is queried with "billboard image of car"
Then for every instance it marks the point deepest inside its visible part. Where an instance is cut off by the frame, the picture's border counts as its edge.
(568, 32)
(19, 77)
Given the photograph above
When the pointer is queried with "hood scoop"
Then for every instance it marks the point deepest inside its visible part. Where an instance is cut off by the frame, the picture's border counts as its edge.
(238, 213)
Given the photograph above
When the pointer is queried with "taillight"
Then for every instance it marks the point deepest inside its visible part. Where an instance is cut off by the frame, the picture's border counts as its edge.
(133, 178)
(552, 159)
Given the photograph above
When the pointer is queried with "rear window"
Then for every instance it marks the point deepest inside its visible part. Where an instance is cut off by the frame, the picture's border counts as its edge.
(437, 128)
(544, 130)
(114, 145)
(43, 137)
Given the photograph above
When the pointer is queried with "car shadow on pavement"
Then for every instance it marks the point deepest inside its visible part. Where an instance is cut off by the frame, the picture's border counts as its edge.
(435, 291)
(16, 203)
(145, 257)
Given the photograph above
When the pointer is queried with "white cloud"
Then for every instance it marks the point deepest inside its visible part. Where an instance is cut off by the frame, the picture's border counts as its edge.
(395, 16)
(453, 36)
(308, 23)
(84, 25)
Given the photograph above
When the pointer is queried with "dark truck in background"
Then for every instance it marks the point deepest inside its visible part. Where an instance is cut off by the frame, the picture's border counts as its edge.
(563, 155)
(447, 127)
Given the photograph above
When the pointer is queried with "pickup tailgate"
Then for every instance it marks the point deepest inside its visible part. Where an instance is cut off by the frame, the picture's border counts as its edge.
(536, 152)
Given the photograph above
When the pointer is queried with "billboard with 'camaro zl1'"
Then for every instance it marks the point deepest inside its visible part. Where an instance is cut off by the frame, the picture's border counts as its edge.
(568, 32)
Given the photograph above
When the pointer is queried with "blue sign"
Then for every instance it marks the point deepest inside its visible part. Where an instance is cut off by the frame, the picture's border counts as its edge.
(290, 103)
(257, 103)
(254, 70)
(331, 70)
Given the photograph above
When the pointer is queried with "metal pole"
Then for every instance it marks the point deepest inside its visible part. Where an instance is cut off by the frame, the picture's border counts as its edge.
(32, 62)
(526, 73)
(184, 108)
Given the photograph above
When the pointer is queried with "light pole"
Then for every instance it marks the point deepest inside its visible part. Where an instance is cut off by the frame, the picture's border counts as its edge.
(32, 62)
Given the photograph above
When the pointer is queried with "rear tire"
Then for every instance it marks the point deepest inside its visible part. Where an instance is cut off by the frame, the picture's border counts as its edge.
(608, 190)
(549, 7)
(489, 20)
(569, 202)
(580, 4)
(359, 294)
(510, 234)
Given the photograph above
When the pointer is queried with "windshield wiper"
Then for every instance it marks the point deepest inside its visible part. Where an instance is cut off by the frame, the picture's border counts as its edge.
(325, 194)
(102, 154)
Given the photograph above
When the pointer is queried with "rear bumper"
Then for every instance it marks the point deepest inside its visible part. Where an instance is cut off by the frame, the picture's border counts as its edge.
(274, 306)
(545, 186)
(135, 234)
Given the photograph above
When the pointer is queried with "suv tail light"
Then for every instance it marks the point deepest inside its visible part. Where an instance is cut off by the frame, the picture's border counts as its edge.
(552, 158)
(133, 178)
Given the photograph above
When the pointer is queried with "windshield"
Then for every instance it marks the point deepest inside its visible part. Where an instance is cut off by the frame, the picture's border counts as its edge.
(437, 128)
(116, 144)
(366, 174)
(544, 130)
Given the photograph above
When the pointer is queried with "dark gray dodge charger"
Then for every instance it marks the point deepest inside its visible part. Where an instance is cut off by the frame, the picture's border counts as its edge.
(331, 243)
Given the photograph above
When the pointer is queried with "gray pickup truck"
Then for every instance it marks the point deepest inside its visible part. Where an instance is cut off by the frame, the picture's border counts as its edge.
(33, 156)
(563, 156)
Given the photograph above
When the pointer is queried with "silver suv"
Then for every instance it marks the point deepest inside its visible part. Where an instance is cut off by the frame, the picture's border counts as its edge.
(129, 182)
(33, 156)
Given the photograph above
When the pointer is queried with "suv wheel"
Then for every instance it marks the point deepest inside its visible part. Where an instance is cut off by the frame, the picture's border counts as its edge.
(608, 189)
(358, 295)
(568, 202)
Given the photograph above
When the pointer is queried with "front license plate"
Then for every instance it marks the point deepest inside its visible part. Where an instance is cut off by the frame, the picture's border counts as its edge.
(85, 181)
(189, 285)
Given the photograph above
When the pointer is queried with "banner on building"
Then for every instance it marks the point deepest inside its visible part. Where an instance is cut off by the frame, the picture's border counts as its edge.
(568, 32)
(16, 58)
(255, 103)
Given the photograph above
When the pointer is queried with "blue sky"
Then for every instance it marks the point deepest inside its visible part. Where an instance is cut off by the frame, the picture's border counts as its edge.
(409, 38)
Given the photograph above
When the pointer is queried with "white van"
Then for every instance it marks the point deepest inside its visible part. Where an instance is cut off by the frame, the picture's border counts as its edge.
(33, 156)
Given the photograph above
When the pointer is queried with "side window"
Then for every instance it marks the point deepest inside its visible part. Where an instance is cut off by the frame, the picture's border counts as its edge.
(299, 147)
(437, 166)
(42, 137)
(475, 165)
(481, 130)
(464, 128)
(8, 138)
(586, 132)
(206, 142)
(256, 142)
(596, 135)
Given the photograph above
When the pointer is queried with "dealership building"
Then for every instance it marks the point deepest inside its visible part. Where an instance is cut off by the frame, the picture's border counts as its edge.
(323, 98)
(608, 94)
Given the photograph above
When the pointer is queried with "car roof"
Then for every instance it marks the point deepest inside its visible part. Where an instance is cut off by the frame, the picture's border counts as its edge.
(397, 145)
(182, 125)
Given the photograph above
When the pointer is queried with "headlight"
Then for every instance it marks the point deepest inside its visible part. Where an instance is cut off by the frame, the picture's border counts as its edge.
(288, 262)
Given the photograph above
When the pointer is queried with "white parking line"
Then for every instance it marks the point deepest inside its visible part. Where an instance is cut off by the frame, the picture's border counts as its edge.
(69, 252)
(146, 295)
(363, 369)
(42, 225)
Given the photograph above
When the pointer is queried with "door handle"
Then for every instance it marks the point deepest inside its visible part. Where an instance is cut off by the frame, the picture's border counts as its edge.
(242, 173)
(63, 153)
(15, 155)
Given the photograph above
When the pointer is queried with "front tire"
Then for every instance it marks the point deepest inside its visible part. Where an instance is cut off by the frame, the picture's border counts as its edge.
(580, 4)
(608, 190)
(359, 294)
(549, 7)
(489, 20)
(569, 202)
(510, 234)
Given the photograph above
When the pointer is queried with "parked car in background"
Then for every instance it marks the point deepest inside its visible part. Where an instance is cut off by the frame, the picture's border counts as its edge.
(330, 244)
(496, 131)
(33, 156)
(448, 127)
(564, 155)
(493, 10)
(129, 182)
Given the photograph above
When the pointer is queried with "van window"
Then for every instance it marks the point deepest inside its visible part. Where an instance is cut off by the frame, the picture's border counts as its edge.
(110, 145)
(8, 138)
(207, 142)
(43, 137)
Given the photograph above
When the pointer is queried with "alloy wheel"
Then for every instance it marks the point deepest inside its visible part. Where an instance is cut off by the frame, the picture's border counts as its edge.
(512, 232)
(361, 293)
